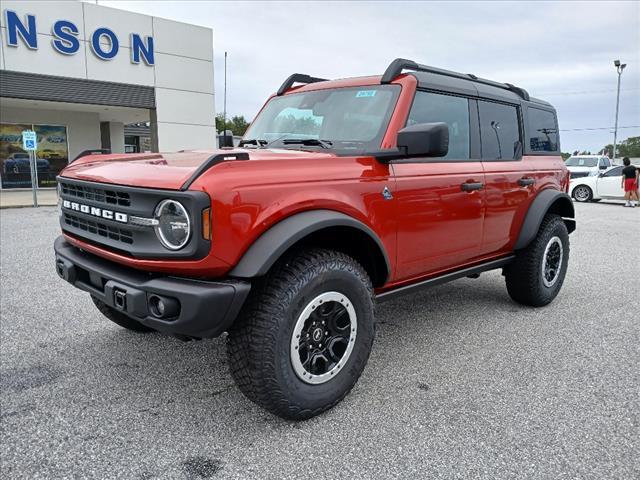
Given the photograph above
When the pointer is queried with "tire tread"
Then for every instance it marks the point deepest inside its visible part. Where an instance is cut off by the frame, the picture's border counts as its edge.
(251, 341)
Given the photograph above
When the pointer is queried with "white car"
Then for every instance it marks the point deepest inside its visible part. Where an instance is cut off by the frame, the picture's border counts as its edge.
(587, 165)
(605, 185)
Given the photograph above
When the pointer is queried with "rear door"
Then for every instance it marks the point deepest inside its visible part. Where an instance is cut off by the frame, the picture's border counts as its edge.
(609, 184)
(439, 219)
(510, 179)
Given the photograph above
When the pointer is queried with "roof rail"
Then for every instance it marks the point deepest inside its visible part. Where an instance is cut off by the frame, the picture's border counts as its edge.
(298, 78)
(396, 67)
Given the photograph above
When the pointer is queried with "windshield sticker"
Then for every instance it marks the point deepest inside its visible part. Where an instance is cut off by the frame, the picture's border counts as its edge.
(365, 93)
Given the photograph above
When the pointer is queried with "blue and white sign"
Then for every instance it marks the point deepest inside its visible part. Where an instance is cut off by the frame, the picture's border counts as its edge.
(29, 140)
(65, 39)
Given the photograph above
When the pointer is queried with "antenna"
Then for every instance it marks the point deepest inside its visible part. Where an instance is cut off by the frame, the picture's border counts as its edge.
(224, 114)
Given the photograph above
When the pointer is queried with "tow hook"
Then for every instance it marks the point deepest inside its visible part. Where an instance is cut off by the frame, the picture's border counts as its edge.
(120, 299)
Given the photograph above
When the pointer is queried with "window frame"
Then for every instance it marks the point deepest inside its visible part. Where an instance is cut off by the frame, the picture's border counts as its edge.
(606, 174)
(474, 129)
(520, 118)
(527, 148)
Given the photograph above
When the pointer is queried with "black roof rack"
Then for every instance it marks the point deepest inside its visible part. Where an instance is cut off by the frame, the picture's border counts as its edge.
(298, 78)
(396, 67)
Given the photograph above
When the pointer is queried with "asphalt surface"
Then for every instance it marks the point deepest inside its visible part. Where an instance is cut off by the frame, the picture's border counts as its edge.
(462, 382)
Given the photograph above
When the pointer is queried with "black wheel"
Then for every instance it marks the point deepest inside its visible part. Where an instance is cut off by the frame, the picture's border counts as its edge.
(120, 318)
(582, 193)
(304, 336)
(536, 275)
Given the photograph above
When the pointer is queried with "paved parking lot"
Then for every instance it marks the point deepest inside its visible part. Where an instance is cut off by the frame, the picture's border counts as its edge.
(462, 382)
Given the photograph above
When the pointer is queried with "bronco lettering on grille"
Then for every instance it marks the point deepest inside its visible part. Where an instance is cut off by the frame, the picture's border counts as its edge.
(95, 211)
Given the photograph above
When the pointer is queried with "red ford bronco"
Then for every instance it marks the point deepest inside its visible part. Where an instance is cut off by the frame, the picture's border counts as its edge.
(341, 194)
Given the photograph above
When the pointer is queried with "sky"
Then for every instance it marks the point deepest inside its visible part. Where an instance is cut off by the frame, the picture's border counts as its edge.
(561, 52)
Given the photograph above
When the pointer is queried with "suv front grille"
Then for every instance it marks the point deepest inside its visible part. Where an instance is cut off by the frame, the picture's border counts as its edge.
(101, 214)
(100, 195)
(98, 228)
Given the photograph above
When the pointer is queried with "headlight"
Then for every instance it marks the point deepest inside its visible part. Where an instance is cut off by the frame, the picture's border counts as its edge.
(174, 227)
(594, 173)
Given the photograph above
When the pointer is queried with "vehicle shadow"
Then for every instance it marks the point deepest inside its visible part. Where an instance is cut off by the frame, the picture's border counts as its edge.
(193, 377)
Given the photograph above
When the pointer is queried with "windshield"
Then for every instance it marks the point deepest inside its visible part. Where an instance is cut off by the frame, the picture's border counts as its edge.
(342, 118)
(581, 162)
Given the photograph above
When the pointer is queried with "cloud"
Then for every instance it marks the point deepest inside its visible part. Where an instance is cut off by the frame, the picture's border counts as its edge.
(551, 47)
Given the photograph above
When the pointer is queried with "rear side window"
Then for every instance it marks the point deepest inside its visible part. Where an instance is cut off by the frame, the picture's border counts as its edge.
(543, 132)
(499, 131)
(454, 111)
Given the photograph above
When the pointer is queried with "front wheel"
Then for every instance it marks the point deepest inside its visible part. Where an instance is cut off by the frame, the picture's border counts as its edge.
(536, 275)
(305, 334)
(582, 193)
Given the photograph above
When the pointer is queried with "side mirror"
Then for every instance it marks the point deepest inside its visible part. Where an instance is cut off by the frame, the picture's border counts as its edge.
(424, 140)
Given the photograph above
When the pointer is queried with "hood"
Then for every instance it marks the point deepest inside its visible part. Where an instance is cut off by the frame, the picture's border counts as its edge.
(164, 170)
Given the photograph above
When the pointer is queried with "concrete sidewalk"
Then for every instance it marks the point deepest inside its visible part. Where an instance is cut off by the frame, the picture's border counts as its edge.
(24, 198)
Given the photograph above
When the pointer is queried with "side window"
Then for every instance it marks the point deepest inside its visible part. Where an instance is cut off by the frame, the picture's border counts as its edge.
(543, 133)
(499, 131)
(454, 111)
(614, 172)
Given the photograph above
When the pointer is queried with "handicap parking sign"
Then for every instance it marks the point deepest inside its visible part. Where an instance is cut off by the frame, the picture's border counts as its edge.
(29, 140)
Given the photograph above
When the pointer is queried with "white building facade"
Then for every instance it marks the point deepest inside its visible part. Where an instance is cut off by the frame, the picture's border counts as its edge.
(78, 73)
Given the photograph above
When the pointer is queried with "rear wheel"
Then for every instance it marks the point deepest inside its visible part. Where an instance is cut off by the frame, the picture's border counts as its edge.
(305, 334)
(582, 193)
(536, 275)
(120, 318)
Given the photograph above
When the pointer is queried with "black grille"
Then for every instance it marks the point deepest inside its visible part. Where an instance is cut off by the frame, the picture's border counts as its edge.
(98, 228)
(579, 174)
(100, 195)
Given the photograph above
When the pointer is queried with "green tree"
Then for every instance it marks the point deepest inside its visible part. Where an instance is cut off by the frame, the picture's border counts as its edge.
(237, 124)
(626, 148)
(565, 155)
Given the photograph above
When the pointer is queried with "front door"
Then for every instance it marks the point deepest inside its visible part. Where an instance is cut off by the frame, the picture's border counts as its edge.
(440, 201)
(609, 184)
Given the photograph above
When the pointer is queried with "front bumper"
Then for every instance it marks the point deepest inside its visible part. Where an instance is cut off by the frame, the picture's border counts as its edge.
(206, 308)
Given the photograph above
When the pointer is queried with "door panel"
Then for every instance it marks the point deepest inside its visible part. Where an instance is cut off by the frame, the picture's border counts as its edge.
(439, 224)
(507, 202)
(609, 185)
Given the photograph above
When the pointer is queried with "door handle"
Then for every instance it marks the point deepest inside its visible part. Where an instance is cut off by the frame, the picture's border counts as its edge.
(526, 181)
(471, 186)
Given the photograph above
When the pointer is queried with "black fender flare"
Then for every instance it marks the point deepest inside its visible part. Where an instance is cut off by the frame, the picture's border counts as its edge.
(547, 201)
(270, 246)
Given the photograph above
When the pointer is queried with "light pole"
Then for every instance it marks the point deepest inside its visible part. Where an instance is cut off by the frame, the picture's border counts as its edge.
(619, 68)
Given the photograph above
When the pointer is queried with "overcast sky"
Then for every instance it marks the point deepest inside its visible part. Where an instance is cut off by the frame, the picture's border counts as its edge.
(562, 52)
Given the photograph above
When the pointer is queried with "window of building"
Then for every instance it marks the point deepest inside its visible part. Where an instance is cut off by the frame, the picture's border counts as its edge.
(454, 111)
(543, 132)
(499, 131)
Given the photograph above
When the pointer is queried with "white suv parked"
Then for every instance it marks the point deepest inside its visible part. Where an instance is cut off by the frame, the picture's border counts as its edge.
(587, 165)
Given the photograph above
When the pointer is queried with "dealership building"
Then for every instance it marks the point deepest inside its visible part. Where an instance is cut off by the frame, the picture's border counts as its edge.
(86, 77)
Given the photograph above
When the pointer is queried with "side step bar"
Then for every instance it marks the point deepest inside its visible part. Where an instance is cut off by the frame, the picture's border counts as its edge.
(447, 277)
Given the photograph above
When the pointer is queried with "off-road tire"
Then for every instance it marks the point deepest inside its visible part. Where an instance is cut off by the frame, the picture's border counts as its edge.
(120, 318)
(587, 197)
(524, 276)
(259, 343)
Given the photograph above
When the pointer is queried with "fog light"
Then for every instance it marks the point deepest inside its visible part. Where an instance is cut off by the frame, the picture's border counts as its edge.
(163, 307)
